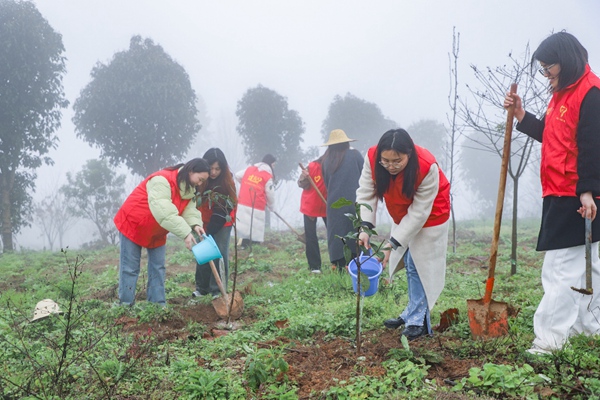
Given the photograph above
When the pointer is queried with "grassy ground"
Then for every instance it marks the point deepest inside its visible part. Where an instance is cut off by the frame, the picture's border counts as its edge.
(296, 338)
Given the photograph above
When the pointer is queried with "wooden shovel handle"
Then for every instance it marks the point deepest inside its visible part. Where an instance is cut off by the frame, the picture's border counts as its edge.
(218, 280)
(313, 184)
(285, 222)
(500, 200)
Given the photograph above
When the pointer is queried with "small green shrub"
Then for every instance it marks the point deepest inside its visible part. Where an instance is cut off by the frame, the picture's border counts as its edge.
(209, 385)
(496, 379)
(264, 366)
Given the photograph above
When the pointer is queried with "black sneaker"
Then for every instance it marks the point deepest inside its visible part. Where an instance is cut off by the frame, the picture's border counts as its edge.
(393, 323)
(414, 331)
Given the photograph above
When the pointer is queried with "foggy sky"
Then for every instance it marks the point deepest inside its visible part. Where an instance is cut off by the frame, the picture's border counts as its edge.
(392, 53)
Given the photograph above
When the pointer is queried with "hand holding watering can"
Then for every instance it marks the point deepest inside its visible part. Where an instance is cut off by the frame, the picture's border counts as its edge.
(207, 250)
(190, 240)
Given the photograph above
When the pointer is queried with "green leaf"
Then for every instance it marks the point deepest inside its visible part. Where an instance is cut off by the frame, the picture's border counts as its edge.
(341, 202)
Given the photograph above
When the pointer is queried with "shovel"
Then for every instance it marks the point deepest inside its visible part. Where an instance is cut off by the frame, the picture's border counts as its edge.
(589, 290)
(301, 236)
(489, 318)
(223, 307)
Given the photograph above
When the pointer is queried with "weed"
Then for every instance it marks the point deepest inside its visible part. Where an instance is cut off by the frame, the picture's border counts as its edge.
(502, 379)
(205, 384)
(264, 366)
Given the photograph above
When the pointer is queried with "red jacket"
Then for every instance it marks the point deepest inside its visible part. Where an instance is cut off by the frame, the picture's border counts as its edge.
(558, 169)
(252, 188)
(207, 210)
(397, 203)
(134, 219)
(311, 203)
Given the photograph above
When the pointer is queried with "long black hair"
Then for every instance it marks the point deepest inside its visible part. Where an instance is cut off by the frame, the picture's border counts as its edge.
(270, 160)
(564, 49)
(400, 141)
(194, 165)
(224, 182)
(333, 157)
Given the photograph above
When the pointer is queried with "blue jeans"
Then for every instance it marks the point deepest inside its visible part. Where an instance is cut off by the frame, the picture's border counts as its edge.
(417, 310)
(129, 270)
(205, 280)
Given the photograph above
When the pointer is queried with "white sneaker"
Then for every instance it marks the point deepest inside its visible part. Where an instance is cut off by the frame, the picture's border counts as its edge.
(538, 351)
(315, 271)
(196, 293)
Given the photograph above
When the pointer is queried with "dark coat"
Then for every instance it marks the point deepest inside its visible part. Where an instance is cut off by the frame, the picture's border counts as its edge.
(342, 183)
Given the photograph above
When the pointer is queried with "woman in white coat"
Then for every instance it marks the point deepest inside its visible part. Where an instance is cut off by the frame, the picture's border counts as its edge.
(417, 196)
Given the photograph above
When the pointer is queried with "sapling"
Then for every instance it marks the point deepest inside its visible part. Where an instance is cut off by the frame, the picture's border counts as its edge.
(362, 280)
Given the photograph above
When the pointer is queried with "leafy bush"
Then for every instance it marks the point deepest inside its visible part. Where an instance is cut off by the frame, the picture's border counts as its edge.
(496, 379)
(209, 385)
(264, 366)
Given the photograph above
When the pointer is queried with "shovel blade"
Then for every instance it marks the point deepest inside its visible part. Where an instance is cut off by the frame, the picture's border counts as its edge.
(488, 320)
(221, 304)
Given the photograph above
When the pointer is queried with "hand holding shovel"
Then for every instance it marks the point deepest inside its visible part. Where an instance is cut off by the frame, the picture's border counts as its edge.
(589, 290)
(313, 184)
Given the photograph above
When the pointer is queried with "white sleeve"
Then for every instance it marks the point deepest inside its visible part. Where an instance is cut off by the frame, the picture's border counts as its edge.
(366, 194)
(270, 192)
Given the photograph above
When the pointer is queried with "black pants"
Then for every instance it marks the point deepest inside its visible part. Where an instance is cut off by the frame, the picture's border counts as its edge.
(313, 253)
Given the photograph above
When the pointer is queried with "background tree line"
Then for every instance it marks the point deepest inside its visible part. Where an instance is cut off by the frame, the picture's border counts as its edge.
(140, 110)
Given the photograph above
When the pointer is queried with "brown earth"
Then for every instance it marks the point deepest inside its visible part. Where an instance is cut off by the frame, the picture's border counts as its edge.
(314, 367)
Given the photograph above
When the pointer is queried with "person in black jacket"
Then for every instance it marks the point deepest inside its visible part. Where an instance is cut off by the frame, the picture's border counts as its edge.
(570, 175)
(216, 202)
(342, 166)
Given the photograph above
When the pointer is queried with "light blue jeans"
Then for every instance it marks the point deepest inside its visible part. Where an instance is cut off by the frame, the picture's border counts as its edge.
(129, 270)
(417, 309)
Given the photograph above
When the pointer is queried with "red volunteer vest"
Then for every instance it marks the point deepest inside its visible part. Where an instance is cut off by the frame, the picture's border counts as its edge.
(136, 222)
(310, 202)
(252, 188)
(206, 209)
(558, 169)
(397, 204)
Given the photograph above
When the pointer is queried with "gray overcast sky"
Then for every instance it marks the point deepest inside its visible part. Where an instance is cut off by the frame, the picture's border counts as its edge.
(392, 53)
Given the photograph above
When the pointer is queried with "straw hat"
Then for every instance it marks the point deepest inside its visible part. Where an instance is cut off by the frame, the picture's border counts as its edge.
(44, 308)
(337, 136)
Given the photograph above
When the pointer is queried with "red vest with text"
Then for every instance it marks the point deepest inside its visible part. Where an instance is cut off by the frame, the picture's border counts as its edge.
(558, 169)
(136, 222)
(397, 203)
(252, 188)
(311, 203)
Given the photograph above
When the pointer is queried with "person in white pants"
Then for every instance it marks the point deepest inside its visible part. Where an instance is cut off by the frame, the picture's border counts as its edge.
(570, 175)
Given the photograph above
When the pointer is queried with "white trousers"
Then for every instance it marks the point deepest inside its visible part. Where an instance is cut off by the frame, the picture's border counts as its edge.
(564, 312)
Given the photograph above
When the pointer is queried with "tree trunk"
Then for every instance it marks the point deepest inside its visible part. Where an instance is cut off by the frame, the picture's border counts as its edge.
(513, 252)
(8, 177)
(453, 229)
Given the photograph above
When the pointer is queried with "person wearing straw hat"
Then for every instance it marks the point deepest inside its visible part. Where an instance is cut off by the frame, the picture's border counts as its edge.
(342, 166)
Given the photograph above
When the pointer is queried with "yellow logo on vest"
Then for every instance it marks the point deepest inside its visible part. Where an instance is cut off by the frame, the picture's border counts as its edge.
(255, 179)
(317, 179)
(563, 110)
